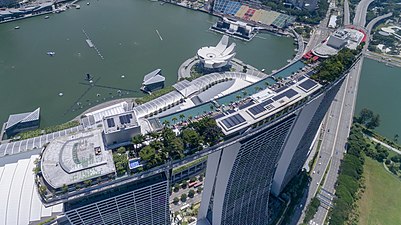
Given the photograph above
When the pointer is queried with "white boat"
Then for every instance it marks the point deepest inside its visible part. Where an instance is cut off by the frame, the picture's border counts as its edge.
(88, 3)
(17, 27)
(51, 53)
(77, 6)
(47, 17)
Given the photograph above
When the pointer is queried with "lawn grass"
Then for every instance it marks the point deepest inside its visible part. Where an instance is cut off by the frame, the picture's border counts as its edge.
(381, 202)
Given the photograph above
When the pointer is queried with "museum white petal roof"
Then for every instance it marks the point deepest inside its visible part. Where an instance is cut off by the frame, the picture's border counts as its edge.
(218, 56)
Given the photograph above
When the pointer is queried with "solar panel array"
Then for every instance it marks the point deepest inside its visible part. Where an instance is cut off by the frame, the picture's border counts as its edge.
(110, 122)
(233, 121)
(308, 84)
(259, 108)
(125, 119)
(289, 94)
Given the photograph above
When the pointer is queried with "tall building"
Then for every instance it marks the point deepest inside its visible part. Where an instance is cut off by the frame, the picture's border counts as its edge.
(144, 201)
(79, 172)
(269, 148)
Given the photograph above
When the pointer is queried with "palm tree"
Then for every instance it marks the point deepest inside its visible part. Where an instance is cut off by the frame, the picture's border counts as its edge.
(137, 139)
(153, 135)
(166, 123)
(182, 116)
(238, 97)
(257, 89)
(211, 107)
(244, 93)
(174, 119)
(189, 117)
(267, 83)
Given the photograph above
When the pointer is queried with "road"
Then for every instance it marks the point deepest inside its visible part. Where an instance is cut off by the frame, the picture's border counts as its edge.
(386, 145)
(176, 207)
(388, 60)
(360, 13)
(347, 20)
(322, 31)
(343, 121)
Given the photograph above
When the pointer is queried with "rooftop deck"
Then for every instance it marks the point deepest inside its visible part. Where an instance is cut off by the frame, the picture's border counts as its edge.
(76, 158)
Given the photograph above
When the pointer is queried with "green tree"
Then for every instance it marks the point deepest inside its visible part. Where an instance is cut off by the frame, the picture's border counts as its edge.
(166, 123)
(121, 150)
(147, 153)
(191, 193)
(190, 138)
(183, 197)
(176, 187)
(244, 93)
(176, 200)
(365, 116)
(182, 116)
(184, 184)
(64, 188)
(238, 97)
(137, 139)
(121, 163)
(374, 122)
(174, 119)
(199, 190)
(257, 89)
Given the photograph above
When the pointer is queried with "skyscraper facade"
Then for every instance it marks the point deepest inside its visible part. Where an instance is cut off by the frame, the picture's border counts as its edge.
(144, 201)
(239, 177)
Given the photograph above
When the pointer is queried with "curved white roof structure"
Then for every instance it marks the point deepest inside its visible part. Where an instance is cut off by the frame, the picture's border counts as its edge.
(20, 203)
(219, 56)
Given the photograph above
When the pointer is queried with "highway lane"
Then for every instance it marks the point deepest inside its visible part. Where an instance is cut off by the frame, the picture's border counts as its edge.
(344, 120)
(360, 13)
(347, 19)
(326, 194)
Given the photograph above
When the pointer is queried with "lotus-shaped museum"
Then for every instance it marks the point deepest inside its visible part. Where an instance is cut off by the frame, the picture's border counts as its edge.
(217, 57)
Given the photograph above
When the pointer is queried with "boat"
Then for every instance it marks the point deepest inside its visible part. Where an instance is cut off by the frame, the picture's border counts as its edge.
(17, 27)
(88, 3)
(51, 53)
(77, 6)
(47, 17)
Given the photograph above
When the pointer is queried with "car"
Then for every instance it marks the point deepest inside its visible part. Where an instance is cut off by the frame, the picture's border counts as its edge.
(320, 163)
(314, 172)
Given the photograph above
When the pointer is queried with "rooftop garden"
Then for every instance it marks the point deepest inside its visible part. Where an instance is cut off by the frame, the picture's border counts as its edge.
(155, 94)
(332, 68)
(171, 143)
(47, 130)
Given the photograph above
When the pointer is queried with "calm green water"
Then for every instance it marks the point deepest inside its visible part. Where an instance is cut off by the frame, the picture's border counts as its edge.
(380, 91)
(125, 33)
